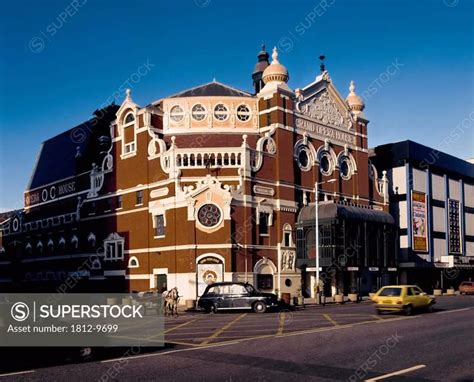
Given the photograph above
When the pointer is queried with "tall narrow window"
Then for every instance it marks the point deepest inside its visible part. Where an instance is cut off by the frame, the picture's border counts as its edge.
(119, 201)
(263, 223)
(139, 197)
(159, 225)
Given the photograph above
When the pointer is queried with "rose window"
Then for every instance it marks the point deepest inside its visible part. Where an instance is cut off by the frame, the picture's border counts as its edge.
(209, 215)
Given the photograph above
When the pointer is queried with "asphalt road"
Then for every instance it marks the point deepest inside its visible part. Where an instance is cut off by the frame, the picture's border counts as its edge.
(334, 343)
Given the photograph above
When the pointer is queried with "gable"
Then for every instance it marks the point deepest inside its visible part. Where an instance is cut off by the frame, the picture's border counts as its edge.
(325, 108)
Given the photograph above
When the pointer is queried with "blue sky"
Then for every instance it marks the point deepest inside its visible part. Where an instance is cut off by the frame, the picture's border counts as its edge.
(413, 61)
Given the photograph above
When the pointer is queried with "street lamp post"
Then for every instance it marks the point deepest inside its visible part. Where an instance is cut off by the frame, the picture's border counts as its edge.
(316, 227)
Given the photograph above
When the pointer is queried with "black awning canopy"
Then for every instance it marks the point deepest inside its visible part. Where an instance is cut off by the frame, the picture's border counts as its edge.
(331, 210)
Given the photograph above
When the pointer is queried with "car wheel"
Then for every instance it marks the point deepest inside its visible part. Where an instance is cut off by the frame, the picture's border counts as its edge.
(408, 310)
(259, 307)
(429, 308)
(214, 308)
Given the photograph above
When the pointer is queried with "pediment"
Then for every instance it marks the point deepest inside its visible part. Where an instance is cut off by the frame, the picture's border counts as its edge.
(326, 109)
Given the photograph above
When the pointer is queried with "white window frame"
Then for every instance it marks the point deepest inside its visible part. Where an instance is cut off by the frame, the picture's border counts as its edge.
(155, 217)
(129, 149)
(131, 260)
(116, 242)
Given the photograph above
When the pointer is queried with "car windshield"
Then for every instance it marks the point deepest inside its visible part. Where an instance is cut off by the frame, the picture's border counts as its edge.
(250, 288)
(390, 292)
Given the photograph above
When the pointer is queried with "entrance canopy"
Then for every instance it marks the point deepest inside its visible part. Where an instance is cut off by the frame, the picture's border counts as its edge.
(334, 211)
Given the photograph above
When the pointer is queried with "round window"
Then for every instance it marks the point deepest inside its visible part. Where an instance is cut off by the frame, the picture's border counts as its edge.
(221, 113)
(303, 158)
(288, 282)
(177, 113)
(325, 164)
(198, 112)
(345, 169)
(243, 113)
(209, 215)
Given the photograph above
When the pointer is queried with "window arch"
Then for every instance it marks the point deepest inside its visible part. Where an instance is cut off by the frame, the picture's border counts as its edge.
(129, 118)
(304, 154)
(133, 262)
(326, 159)
(346, 164)
(74, 241)
(91, 239)
(288, 236)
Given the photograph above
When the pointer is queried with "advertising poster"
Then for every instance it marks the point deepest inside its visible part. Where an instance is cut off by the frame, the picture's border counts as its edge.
(419, 222)
(210, 270)
(454, 227)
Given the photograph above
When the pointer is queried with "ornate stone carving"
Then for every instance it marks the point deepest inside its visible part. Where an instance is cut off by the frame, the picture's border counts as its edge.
(288, 258)
(322, 108)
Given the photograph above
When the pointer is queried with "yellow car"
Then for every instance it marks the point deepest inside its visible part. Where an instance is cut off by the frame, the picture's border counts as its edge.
(402, 298)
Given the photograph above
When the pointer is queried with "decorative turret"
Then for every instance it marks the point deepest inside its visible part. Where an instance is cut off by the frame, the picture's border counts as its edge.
(275, 72)
(260, 67)
(356, 103)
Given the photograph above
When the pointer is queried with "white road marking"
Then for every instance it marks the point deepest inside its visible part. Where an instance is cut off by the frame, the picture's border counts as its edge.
(169, 352)
(399, 372)
(453, 311)
(17, 373)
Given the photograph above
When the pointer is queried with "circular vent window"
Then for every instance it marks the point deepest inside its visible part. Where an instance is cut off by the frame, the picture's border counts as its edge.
(209, 215)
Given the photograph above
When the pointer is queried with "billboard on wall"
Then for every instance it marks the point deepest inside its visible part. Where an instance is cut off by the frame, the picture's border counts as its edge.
(454, 226)
(210, 270)
(419, 222)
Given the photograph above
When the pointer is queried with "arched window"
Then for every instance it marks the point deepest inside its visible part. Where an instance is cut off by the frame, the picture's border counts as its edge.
(133, 262)
(129, 118)
(96, 264)
(287, 236)
(91, 239)
(51, 245)
(74, 241)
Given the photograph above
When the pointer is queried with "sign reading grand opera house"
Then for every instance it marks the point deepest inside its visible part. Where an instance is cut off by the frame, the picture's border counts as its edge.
(209, 184)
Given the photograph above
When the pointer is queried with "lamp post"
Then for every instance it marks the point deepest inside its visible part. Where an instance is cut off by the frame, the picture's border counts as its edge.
(316, 227)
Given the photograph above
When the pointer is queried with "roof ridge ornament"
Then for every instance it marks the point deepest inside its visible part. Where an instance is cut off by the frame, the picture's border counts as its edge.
(352, 88)
(128, 94)
(275, 56)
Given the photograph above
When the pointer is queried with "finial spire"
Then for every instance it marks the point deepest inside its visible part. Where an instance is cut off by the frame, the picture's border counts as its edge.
(128, 93)
(263, 47)
(322, 67)
(275, 56)
(352, 87)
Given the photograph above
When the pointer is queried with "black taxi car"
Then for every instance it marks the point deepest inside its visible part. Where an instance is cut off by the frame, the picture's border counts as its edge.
(230, 295)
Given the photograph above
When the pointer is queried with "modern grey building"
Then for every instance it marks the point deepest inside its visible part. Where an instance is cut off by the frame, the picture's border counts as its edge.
(432, 201)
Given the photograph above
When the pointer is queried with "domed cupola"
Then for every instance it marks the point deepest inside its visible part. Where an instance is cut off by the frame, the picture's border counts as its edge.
(356, 103)
(275, 72)
(260, 66)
